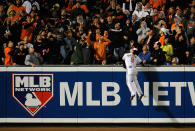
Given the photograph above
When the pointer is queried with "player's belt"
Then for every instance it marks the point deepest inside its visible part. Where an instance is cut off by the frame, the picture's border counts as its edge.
(130, 66)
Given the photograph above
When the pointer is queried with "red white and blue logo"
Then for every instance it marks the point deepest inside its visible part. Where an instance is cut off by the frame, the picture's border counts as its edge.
(32, 90)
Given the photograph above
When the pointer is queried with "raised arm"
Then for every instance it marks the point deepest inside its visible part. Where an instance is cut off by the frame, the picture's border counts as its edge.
(107, 41)
(88, 38)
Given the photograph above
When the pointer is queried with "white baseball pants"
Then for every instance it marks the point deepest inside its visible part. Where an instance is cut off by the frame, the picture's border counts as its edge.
(132, 79)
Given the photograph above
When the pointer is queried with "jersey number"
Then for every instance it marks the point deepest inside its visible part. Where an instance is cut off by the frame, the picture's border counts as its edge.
(132, 59)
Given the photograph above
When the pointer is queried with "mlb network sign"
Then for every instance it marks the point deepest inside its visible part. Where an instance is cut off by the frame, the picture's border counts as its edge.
(32, 91)
(96, 95)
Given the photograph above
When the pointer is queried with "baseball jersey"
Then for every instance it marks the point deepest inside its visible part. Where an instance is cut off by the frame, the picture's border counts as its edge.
(131, 61)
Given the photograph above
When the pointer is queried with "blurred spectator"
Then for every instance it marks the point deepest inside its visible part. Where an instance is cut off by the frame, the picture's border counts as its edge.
(87, 51)
(70, 42)
(120, 16)
(179, 46)
(175, 61)
(128, 32)
(191, 26)
(191, 50)
(163, 32)
(9, 52)
(157, 56)
(9, 6)
(176, 22)
(149, 40)
(77, 10)
(147, 8)
(28, 28)
(139, 11)
(77, 56)
(110, 23)
(188, 58)
(20, 54)
(11, 26)
(73, 45)
(170, 15)
(158, 3)
(117, 45)
(68, 5)
(110, 6)
(141, 32)
(100, 48)
(168, 49)
(2, 27)
(39, 44)
(179, 14)
(18, 8)
(145, 55)
(82, 6)
(135, 26)
(28, 4)
(33, 58)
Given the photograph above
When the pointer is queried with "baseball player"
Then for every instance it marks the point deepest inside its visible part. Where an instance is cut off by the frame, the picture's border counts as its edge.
(131, 60)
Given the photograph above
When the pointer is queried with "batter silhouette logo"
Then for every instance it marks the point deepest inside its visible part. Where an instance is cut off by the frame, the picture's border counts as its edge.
(32, 90)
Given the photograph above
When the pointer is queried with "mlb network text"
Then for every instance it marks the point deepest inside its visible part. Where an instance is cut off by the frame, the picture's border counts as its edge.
(79, 88)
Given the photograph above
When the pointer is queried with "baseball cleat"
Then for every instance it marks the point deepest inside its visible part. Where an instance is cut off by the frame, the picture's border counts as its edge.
(131, 98)
(140, 97)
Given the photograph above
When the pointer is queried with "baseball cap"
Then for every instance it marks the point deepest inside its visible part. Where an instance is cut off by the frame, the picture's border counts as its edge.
(134, 49)
(29, 45)
(57, 5)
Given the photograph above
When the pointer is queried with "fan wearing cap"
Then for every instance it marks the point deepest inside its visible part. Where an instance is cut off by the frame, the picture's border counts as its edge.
(163, 32)
(157, 56)
(175, 61)
(131, 60)
(100, 48)
(28, 4)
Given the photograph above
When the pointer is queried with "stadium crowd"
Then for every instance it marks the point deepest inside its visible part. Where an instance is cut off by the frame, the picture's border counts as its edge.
(36, 32)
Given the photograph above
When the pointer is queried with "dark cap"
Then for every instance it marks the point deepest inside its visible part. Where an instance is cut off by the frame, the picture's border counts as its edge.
(158, 43)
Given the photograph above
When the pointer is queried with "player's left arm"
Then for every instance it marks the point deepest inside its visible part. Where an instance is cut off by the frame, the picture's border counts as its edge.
(123, 58)
(123, 62)
(139, 61)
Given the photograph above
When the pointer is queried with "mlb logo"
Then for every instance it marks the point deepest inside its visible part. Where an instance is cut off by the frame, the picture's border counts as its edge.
(32, 90)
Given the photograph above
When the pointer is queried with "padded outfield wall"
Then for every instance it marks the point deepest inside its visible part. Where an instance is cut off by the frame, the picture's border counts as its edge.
(95, 95)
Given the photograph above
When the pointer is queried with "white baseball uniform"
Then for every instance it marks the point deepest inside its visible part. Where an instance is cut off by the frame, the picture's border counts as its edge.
(131, 61)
